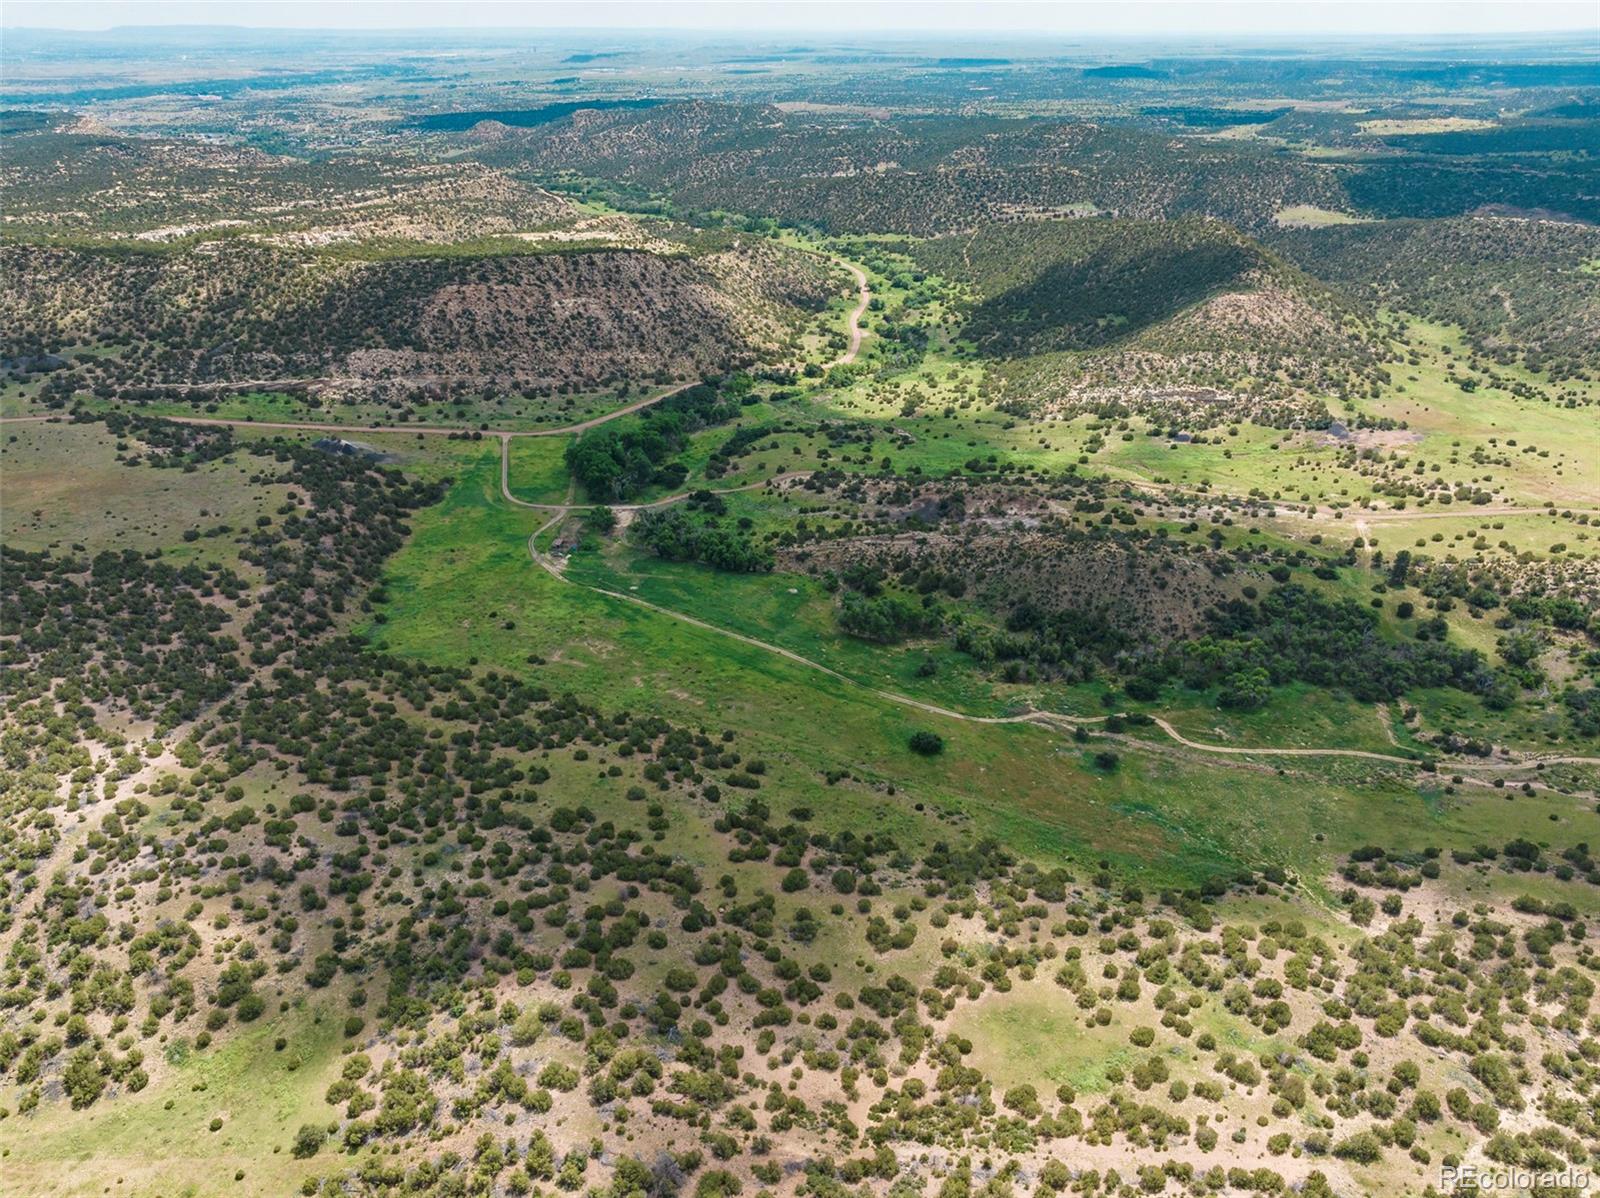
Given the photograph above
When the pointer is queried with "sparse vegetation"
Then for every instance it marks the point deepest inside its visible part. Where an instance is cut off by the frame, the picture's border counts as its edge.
(1016, 627)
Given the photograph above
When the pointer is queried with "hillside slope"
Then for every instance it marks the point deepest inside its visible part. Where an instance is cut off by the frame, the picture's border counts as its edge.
(1090, 312)
(69, 176)
(923, 176)
(1527, 289)
(228, 312)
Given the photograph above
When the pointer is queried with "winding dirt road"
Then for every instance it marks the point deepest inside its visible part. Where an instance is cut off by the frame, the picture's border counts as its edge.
(857, 333)
(1040, 718)
(864, 293)
(864, 297)
(559, 511)
(435, 430)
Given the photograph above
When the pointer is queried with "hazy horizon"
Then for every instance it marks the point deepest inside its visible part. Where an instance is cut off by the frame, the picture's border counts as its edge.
(1159, 20)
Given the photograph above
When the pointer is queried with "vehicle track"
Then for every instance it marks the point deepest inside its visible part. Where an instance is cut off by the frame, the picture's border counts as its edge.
(560, 510)
(1041, 718)
(864, 294)
(857, 333)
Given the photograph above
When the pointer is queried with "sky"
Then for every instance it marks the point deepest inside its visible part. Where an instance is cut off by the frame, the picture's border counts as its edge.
(1150, 18)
